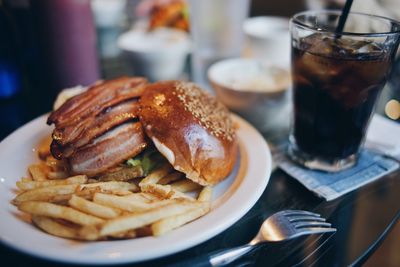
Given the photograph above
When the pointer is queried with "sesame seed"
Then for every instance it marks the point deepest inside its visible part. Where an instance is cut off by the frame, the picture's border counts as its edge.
(213, 116)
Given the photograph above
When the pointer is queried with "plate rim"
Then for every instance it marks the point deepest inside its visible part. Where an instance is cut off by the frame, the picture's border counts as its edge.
(179, 246)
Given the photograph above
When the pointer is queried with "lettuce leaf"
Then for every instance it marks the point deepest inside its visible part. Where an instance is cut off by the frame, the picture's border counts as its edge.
(148, 160)
(133, 162)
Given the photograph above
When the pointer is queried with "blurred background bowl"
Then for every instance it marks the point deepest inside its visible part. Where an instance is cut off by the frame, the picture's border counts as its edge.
(159, 54)
(256, 91)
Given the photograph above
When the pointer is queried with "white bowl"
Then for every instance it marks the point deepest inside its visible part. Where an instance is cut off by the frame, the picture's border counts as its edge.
(268, 38)
(256, 91)
(158, 55)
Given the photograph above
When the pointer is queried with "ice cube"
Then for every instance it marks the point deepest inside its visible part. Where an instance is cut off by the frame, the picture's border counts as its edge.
(316, 44)
(371, 49)
(350, 43)
(358, 48)
(322, 46)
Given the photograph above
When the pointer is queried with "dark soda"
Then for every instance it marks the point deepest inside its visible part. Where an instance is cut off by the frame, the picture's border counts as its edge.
(335, 85)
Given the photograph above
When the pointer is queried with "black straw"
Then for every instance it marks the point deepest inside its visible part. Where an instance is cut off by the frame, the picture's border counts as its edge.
(343, 16)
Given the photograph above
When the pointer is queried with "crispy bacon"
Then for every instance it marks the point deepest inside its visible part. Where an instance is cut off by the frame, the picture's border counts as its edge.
(98, 129)
(96, 99)
(81, 133)
(110, 149)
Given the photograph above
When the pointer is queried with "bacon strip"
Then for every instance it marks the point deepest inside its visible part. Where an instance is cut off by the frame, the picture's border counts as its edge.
(115, 146)
(96, 99)
(81, 133)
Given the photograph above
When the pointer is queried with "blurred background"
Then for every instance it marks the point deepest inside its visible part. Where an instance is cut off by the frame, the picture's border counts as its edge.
(47, 45)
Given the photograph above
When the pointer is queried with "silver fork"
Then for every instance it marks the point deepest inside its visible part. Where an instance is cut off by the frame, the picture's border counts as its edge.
(281, 226)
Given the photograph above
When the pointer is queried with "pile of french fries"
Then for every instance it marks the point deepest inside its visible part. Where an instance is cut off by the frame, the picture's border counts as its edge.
(77, 207)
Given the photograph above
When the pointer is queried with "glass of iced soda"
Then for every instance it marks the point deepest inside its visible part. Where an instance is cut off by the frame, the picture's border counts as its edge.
(337, 78)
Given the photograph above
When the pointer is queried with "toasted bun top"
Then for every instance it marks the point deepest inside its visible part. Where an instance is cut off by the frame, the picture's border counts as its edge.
(191, 129)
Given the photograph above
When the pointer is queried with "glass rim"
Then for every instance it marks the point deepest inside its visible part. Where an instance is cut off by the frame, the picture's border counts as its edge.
(295, 20)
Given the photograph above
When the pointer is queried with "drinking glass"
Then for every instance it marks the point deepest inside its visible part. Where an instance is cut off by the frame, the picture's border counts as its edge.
(216, 28)
(336, 81)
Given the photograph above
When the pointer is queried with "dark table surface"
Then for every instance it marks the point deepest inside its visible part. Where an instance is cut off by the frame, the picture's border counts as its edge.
(363, 218)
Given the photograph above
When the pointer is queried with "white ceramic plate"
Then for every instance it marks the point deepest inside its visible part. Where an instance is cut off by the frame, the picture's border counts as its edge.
(232, 199)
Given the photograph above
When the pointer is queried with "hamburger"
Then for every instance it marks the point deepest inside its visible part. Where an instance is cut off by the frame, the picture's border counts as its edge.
(133, 126)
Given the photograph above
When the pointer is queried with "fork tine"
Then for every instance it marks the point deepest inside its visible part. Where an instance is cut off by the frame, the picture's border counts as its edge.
(306, 218)
(312, 224)
(299, 212)
(315, 230)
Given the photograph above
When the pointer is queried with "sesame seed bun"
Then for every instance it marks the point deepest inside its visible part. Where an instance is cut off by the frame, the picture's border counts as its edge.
(191, 129)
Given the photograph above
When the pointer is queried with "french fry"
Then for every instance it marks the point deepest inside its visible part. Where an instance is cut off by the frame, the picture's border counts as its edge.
(167, 224)
(63, 192)
(86, 193)
(136, 197)
(80, 208)
(114, 187)
(141, 219)
(185, 185)
(110, 186)
(93, 208)
(60, 212)
(26, 179)
(156, 175)
(143, 197)
(89, 232)
(54, 164)
(53, 227)
(50, 193)
(124, 235)
(172, 177)
(39, 171)
(150, 197)
(120, 192)
(56, 175)
(29, 185)
(129, 203)
(44, 147)
(205, 194)
(164, 191)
